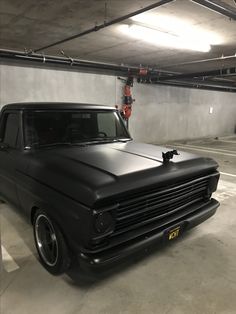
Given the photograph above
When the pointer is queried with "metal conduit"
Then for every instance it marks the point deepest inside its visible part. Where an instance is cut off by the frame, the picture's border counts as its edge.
(153, 76)
(218, 7)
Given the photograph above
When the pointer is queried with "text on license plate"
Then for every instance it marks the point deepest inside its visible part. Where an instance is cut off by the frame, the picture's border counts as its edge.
(174, 233)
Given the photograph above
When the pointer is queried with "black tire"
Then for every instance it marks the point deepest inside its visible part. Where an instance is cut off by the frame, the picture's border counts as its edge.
(50, 243)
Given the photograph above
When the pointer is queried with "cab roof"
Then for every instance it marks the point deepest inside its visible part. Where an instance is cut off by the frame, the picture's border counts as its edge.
(54, 105)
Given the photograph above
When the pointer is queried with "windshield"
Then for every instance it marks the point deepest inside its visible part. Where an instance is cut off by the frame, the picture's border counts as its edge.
(54, 127)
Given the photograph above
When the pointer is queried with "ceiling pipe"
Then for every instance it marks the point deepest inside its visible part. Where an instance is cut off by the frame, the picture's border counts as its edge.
(219, 72)
(218, 7)
(111, 69)
(207, 83)
(222, 58)
(105, 24)
(41, 59)
(197, 84)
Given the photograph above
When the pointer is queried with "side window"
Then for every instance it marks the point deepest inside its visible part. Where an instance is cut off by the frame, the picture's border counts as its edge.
(107, 124)
(10, 129)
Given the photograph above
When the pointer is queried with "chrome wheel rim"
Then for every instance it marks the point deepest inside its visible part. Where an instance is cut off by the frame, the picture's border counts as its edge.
(46, 240)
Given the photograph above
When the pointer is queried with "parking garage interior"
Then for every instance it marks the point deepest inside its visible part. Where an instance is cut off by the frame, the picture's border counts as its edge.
(182, 97)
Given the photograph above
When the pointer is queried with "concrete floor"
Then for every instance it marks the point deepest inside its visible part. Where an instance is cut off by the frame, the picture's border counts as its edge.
(196, 274)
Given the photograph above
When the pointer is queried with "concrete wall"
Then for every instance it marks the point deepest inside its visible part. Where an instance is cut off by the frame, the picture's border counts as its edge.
(160, 113)
(19, 84)
(164, 113)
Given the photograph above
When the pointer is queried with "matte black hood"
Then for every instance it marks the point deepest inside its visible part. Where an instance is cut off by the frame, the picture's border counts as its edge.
(93, 173)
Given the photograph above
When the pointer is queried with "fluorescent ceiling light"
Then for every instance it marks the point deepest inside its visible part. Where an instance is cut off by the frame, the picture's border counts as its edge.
(164, 39)
(170, 31)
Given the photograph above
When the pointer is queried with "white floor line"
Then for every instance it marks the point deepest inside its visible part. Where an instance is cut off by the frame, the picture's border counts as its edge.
(202, 150)
(211, 149)
(225, 141)
(8, 262)
(228, 174)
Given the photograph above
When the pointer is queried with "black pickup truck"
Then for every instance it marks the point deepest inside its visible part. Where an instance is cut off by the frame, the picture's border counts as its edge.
(90, 191)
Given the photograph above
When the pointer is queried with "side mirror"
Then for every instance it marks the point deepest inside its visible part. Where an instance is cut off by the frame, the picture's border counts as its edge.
(4, 146)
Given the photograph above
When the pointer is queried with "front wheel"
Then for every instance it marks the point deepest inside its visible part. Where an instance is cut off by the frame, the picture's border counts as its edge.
(50, 244)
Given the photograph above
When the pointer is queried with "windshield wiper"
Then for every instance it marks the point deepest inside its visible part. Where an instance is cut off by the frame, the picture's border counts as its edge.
(109, 139)
(94, 140)
(55, 144)
(105, 140)
(38, 145)
(80, 143)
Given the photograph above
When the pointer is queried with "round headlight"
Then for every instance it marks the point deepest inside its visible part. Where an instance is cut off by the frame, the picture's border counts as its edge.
(103, 222)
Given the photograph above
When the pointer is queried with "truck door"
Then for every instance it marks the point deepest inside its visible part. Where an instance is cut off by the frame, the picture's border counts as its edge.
(9, 149)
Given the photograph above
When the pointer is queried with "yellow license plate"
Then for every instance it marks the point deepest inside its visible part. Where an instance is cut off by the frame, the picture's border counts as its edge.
(173, 233)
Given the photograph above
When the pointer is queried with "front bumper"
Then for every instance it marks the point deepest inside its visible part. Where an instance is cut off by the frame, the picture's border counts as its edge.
(148, 240)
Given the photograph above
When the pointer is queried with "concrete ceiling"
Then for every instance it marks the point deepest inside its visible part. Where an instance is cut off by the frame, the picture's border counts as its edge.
(32, 24)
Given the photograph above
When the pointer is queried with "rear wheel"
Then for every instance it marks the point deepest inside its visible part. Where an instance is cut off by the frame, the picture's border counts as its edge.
(50, 244)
